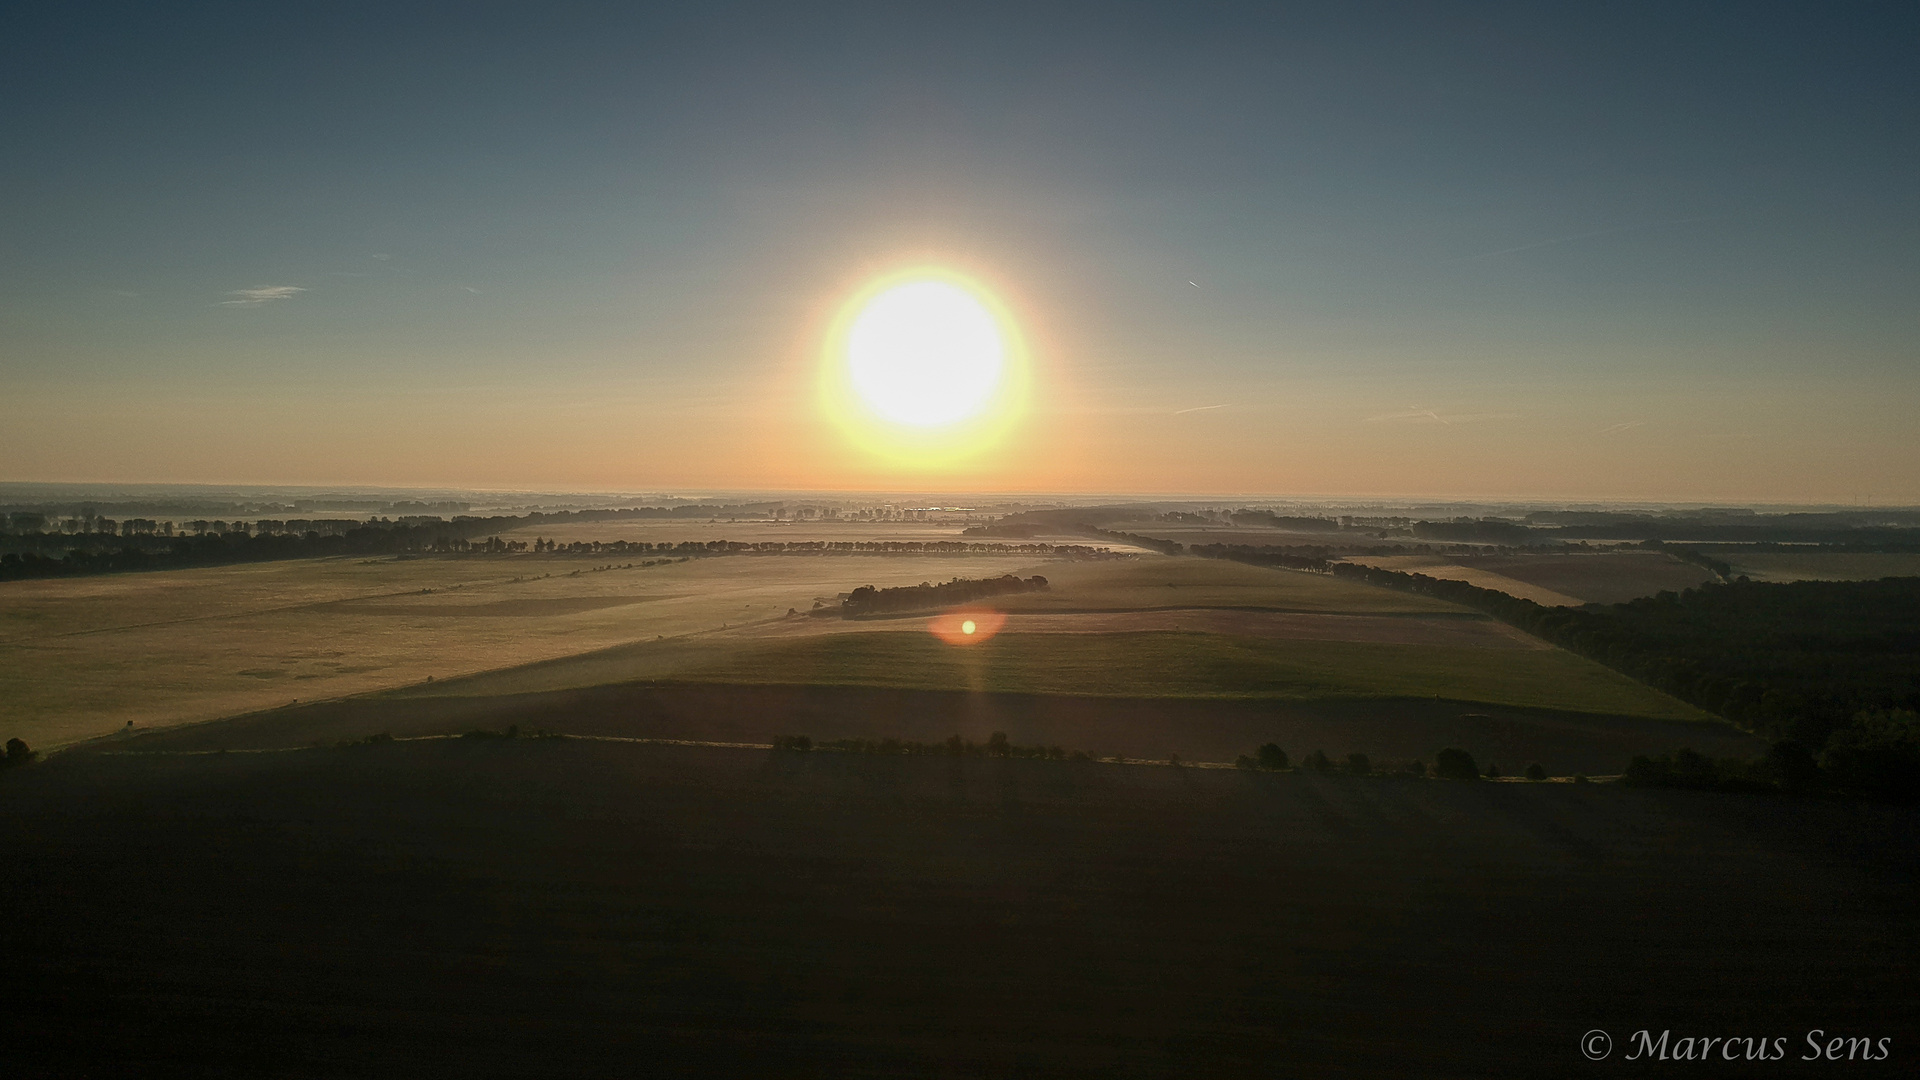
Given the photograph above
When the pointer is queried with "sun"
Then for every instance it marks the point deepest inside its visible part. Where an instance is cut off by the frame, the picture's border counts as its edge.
(924, 368)
(925, 353)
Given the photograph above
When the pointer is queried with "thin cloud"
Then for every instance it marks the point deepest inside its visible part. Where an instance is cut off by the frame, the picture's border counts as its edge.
(1618, 428)
(1197, 408)
(265, 294)
(1416, 415)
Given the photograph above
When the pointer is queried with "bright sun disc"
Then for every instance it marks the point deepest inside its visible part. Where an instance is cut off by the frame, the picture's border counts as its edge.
(925, 354)
(925, 370)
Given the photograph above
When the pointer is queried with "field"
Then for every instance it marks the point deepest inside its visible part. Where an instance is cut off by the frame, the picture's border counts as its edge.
(514, 909)
(1820, 565)
(1147, 628)
(270, 894)
(1557, 580)
(672, 531)
(85, 655)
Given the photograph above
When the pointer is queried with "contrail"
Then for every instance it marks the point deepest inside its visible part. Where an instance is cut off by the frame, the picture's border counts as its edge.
(1198, 408)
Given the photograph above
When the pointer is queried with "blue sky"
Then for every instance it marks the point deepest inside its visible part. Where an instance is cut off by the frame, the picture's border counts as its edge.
(1515, 250)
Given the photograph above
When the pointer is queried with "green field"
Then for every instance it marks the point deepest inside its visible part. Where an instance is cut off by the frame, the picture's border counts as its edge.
(1160, 582)
(1165, 664)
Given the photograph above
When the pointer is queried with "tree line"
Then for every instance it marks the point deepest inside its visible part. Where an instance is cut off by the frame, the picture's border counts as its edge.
(867, 600)
(99, 553)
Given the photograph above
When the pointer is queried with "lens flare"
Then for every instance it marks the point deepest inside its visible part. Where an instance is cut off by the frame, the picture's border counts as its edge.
(966, 627)
(924, 368)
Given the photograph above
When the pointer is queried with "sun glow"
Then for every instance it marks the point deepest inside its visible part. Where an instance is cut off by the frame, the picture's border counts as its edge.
(966, 627)
(924, 368)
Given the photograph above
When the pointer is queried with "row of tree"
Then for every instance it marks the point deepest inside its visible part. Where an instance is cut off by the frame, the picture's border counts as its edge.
(997, 745)
(1452, 763)
(926, 596)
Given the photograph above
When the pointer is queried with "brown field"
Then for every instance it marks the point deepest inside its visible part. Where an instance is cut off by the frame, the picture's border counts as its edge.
(82, 656)
(1556, 580)
(1821, 565)
(515, 909)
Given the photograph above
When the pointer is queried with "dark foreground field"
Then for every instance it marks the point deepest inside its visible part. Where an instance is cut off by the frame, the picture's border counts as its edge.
(1390, 730)
(568, 908)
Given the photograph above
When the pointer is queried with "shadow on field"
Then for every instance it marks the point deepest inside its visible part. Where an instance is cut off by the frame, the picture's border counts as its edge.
(551, 908)
(1389, 731)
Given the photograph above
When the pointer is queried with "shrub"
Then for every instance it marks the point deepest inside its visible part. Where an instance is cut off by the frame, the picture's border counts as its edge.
(1414, 768)
(1319, 762)
(793, 742)
(1493, 771)
(1358, 765)
(1581, 778)
(1685, 768)
(19, 753)
(1245, 762)
(1536, 771)
(1454, 763)
(1272, 757)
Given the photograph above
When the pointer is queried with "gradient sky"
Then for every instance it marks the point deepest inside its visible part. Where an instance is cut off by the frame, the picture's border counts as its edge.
(1556, 251)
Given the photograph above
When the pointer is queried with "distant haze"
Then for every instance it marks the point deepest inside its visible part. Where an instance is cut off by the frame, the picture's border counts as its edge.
(1634, 252)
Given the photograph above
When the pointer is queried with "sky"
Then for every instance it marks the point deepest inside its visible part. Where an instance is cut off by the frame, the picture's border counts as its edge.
(1583, 252)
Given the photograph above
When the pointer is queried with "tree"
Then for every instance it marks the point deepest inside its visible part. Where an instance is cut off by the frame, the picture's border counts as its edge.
(1358, 765)
(1272, 757)
(18, 752)
(1454, 763)
(1319, 762)
(1536, 771)
(997, 744)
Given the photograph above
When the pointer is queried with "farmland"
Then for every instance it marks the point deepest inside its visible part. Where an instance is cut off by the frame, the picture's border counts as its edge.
(1777, 565)
(86, 655)
(1556, 580)
(573, 908)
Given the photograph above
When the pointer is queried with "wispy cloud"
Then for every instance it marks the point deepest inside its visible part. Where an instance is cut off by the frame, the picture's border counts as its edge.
(1417, 415)
(1616, 429)
(265, 294)
(1198, 408)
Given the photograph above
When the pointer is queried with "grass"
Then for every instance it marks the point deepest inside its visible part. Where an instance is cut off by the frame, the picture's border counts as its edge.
(1170, 664)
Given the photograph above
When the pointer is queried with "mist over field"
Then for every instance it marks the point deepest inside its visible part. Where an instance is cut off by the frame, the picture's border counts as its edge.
(1054, 541)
